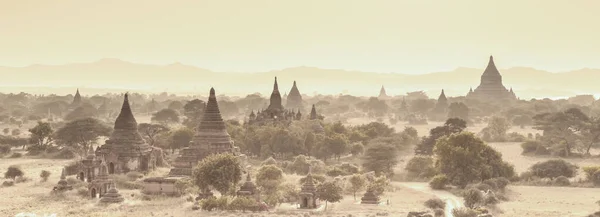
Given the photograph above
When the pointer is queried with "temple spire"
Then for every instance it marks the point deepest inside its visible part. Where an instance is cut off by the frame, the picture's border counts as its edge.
(126, 120)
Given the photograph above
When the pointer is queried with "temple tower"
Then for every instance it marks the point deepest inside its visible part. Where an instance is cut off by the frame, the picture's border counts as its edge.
(76, 99)
(308, 193)
(491, 87)
(211, 138)
(275, 100)
(382, 93)
(126, 150)
(442, 103)
(294, 99)
(313, 113)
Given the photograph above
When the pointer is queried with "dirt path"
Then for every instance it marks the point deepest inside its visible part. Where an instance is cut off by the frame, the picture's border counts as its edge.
(452, 201)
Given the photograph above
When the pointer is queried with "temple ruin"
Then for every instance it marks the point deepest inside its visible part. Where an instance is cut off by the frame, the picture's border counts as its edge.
(491, 87)
(275, 112)
(211, 138)
(308, 193)
(112, 195)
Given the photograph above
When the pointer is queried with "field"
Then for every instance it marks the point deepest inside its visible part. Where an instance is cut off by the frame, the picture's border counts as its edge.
(524, 201)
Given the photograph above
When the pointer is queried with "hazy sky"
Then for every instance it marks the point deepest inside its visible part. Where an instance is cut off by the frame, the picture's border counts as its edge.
(406, 36)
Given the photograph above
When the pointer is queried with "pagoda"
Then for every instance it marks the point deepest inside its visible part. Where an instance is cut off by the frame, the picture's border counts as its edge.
(369, 197)
(112, 196)
(442, 103)
(211, 137)
(63, 185)
(491, 87)
(308, 193)
(275, 112)
(248, 188)
(294, 99)
(126, 150)
(382, 93)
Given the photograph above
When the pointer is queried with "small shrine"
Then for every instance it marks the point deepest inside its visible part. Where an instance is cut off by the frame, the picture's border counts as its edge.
(63, 185)
(99, 186)
(248, 188)
(112, 196)
(308, 193)
(369, 197)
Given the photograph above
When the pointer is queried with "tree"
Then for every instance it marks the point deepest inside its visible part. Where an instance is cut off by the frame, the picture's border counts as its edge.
(81, 133)
(44, 175)
(381, 158)
(309, 142)
(220, 171)
(458, 110)
(150, 131)
(464, 158)
(181, 138)
(13, 172)
(338, 144)
(554, 168)
(175, 105)
(421, 106)
(496, 130)
(228, 108)
(356, 149)
(357, 183)
(329, 192)
(6, 130)
(193, 111)
(243, 203)
(566, 127)
(452, 125)
(41, 134)
(166, 116)
(269, 179)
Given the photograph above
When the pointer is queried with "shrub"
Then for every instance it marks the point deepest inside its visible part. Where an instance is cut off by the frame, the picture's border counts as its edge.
(438, 182)
(83, 191)
(336, 172)
(490, 199)
(435, 203)
(8, 183)
(316, 178)
(209, 204)
(243, 203)
(64, 153)
(484, 187)
(269, 161)
(464, 212)
(562, 181)
(44, 175)
(4, 149)
(349, 168)
(501, 182)
(596, 178)
(529, 147)
(421, 166)
(472, 197)
(439, 213)
(16, 155)
(22, 179)
(590, 171)
(134, 175)
(13, 172)
(491, 183)
(554, 168)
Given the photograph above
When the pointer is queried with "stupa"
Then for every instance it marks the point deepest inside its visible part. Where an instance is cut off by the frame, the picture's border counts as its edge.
(294, 99)
(211, 138)
(248, 188)
(76, 99)
(126, 150)
(382, 93)
(442, 103)
(313, 113)
(491, 87)
(308, 193)
(63, 185)
(112, 196)
(369, 197)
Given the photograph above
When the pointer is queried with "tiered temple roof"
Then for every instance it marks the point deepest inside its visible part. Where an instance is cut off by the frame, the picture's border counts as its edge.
(294, 99)
(248, 188)
(491, 87)
(211, 138)
(125, 139)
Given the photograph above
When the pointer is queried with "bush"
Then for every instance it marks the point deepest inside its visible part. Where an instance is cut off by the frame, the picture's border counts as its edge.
(16, 155)
(209, 204)
(439, 182)
(501, 182)
(435, 203)
(134, 175)
(490, 199)
(316, 178)
(590, 171)
(562, 181)
(83, 191)
(472, 197)
(13, 172)
(64, 153)
(439, 213)
(243, 203)
(8, 183)
(269, 161)
(4, 149)
(554, 168)
(44, 175)
(22, 179)
(491, 183)
(421, 166)
(484, 187)
(464, 212)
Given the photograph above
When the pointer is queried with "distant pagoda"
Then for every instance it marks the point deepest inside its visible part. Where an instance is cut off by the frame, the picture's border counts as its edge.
(275, 112)
(211, 138)
(442, 103)
(369, 197)
(382, 93)
(294, 99)
(491, 87)
(112, 196)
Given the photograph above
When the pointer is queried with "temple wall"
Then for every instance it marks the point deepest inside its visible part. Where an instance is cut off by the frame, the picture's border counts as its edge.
(159, 188)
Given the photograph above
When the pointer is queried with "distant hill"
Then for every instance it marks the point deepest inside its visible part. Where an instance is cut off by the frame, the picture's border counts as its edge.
(114, 75)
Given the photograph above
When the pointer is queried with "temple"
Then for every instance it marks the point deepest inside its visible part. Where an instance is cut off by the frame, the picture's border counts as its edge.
(382, 93)
(294, 99)
(249, 189)
(369, 197)
(76, 99)
(275, 112)
(491, 87)
(308, 193)
(211, 138)
(63, 185)
(112, 195)
(126, 150)
(442, 103)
